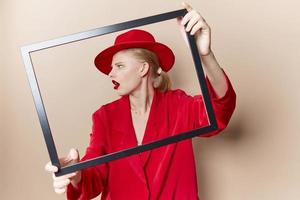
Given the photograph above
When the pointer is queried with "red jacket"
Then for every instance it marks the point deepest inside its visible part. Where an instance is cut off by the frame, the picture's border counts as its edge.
(165, 173)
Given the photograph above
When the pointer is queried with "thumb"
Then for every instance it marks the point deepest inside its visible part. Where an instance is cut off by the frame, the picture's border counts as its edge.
(74, 154)
(187, 6)
(72, 157)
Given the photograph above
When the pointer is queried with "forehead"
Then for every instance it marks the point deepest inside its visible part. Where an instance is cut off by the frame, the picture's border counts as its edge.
(123, 56)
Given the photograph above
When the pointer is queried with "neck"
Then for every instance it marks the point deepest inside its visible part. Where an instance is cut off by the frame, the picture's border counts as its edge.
(141, 98)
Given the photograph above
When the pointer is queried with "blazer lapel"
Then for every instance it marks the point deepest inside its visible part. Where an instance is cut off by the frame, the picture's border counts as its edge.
(151, 131)
(127, 134)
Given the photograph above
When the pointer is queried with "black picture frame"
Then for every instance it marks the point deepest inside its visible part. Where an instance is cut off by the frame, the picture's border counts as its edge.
(26, 50)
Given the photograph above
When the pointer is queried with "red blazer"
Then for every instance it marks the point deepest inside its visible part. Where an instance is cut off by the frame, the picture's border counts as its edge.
(165, 173)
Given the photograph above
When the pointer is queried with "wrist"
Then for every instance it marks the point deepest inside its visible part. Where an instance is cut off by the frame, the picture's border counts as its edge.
(210, 63)
(76, 180)
(207, 53)
(209, 60)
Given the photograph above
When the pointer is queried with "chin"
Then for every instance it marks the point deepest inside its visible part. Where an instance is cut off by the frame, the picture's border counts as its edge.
(122, 93)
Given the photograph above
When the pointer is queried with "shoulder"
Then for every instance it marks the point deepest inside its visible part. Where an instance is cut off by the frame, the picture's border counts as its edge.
(177, 94)
(180, 98)
(109, 107)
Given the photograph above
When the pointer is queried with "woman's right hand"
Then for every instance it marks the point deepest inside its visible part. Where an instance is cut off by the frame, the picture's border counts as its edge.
(60, 183)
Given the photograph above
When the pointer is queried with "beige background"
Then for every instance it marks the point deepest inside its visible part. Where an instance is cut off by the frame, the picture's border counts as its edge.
(256, 42)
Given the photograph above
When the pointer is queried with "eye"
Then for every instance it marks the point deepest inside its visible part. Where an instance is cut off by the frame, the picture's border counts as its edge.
(120, 66)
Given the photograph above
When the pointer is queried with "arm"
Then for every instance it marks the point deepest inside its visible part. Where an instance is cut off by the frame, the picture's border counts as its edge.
(221, 92)
(223, 106)
(215, 74)
(93, 179)
(196, 25)
(191, 113)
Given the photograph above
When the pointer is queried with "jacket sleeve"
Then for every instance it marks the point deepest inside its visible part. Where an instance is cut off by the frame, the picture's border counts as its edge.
(194, 110)
(93, 179)
(223, 107)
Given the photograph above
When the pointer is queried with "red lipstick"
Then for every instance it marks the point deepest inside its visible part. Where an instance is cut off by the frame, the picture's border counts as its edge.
(116, 84)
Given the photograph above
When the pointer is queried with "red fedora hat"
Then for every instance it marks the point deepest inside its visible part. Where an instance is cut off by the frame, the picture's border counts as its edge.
(135, 39)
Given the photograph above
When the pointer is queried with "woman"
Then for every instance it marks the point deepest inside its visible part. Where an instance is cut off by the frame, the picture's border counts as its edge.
(147, 110)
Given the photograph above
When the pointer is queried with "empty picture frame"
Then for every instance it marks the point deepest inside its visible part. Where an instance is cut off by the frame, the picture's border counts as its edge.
(26, 50)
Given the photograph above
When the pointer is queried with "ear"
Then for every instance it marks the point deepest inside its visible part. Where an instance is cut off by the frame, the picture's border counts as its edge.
(144, 69)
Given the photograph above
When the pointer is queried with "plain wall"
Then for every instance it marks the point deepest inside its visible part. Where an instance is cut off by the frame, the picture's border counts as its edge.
(256, 42)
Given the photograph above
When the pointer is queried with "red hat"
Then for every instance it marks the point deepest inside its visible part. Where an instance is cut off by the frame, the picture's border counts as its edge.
(135, 39)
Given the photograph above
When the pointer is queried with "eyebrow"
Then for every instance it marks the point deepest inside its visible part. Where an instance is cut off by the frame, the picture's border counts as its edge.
(118, 63)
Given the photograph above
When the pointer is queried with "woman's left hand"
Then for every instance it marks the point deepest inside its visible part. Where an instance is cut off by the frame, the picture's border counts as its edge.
(196, 25)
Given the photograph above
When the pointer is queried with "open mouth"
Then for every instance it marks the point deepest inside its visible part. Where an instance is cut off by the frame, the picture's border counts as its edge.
(116, 84)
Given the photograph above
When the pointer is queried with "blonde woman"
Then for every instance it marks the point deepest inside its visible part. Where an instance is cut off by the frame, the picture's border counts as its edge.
(148, 110)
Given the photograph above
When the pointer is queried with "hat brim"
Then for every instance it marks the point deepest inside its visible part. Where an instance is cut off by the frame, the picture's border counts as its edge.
(165, 55)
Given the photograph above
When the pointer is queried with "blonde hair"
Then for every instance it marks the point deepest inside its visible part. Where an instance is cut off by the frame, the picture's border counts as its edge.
(161, 80)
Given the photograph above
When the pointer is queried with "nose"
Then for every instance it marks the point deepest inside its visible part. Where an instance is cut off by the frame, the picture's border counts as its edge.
(111, 74)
